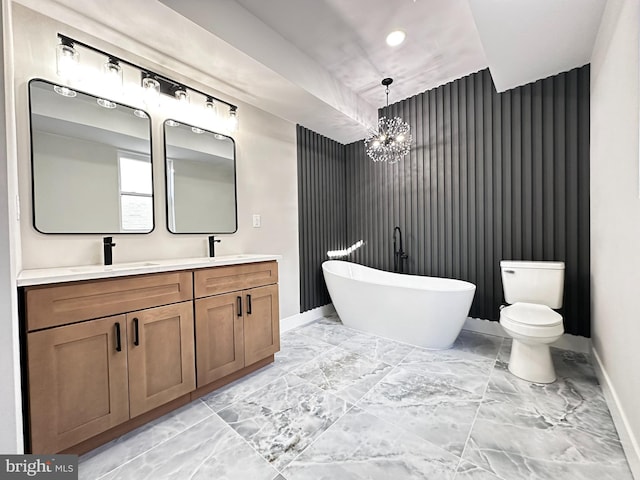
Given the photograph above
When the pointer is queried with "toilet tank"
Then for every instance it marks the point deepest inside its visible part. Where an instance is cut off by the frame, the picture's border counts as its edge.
(533, 282)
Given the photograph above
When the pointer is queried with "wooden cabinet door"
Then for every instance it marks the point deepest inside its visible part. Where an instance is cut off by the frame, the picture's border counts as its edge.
(261, 323)
(219, 337)
(161, 356)
(77, 382)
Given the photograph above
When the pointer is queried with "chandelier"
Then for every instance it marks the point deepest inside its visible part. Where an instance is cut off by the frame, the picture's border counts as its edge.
(392, 140)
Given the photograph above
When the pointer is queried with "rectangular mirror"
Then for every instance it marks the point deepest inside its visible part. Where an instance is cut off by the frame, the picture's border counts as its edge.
(90, 163)
(201, 180)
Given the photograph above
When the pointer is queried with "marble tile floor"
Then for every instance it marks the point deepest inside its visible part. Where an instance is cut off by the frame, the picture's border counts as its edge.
(341, 404)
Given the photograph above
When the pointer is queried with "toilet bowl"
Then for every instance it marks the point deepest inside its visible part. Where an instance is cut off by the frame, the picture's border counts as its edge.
(533, 327)
(533, 289)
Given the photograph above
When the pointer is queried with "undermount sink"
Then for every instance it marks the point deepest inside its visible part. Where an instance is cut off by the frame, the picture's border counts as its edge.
(229, 257)
(110, 268)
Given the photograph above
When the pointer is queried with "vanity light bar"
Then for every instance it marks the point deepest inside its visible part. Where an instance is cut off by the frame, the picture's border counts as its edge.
(167, 86)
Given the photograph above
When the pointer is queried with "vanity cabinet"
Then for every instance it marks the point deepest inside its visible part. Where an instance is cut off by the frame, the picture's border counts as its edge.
(236, 325)
(106, 356)
(93, 374)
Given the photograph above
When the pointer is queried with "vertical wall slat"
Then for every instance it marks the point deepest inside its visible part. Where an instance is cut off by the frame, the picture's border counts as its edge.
(455, 180)
(549, 197)
(497, 199)
(581, 320)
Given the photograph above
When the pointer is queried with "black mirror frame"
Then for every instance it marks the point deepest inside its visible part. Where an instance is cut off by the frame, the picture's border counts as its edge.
(166, 181)
(33, 193)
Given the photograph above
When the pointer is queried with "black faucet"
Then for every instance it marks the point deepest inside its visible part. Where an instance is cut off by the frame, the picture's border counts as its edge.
(212, 246)
(398, 254)
(107, 244)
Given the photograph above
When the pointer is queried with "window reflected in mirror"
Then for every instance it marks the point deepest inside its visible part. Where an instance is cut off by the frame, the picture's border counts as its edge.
(136, 192)
(91, 163)
(201, 180)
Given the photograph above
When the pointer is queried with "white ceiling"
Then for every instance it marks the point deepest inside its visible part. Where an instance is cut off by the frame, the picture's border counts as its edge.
(347, 38)
(343, 42)
(319, 62)
(526, 40)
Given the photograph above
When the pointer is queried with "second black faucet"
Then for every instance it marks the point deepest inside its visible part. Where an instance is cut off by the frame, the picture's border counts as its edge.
(107, 247)
(212, 246)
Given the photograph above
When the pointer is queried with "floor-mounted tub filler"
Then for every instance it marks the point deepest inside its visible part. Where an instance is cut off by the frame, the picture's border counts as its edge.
(425, 311)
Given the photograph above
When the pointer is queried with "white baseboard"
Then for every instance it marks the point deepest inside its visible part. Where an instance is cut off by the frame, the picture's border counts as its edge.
(309, 316)
(626, 434)
(566, 342)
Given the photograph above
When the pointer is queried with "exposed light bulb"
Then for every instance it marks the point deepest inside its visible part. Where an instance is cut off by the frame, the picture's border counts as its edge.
(211, 106)
(181, 95)
(197, 130)
(151, 91)
(112, 75)
(140, 113)
(172, 123)
(67, 61)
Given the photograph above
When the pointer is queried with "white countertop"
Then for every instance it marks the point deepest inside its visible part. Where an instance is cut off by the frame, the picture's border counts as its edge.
(42, 276)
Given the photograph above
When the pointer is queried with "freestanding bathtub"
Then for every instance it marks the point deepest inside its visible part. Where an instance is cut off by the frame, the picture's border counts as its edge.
(424, 311)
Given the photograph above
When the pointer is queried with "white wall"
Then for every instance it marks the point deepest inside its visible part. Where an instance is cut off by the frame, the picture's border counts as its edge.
(267, 181)
(615, 215)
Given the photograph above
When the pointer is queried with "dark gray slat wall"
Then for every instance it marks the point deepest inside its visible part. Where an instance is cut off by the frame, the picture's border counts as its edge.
(491, 176)
(321, 211)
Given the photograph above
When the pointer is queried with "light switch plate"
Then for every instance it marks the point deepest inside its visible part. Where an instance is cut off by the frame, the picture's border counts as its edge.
(257, 221)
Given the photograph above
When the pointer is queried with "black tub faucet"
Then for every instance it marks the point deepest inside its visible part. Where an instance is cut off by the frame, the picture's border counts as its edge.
(107, 245)
(212, 246)
(399, 256)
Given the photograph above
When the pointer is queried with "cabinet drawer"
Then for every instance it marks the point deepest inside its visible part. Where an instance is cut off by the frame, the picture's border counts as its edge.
(213, 281)
(49, 306)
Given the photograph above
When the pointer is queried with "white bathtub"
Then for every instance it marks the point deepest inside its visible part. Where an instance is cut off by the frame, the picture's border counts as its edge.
(424, 311)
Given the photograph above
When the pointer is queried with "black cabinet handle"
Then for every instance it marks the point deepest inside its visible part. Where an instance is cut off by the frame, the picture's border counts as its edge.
(136, 333)
(248, 304)
(239, 306)
(118, 340)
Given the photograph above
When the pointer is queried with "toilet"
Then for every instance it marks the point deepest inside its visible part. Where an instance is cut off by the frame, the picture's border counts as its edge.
(533, 290)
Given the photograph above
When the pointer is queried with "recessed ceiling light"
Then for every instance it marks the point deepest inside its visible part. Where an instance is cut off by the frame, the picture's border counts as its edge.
(395, 38)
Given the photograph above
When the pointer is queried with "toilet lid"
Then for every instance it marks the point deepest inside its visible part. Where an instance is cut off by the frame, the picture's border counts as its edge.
(532, 314)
